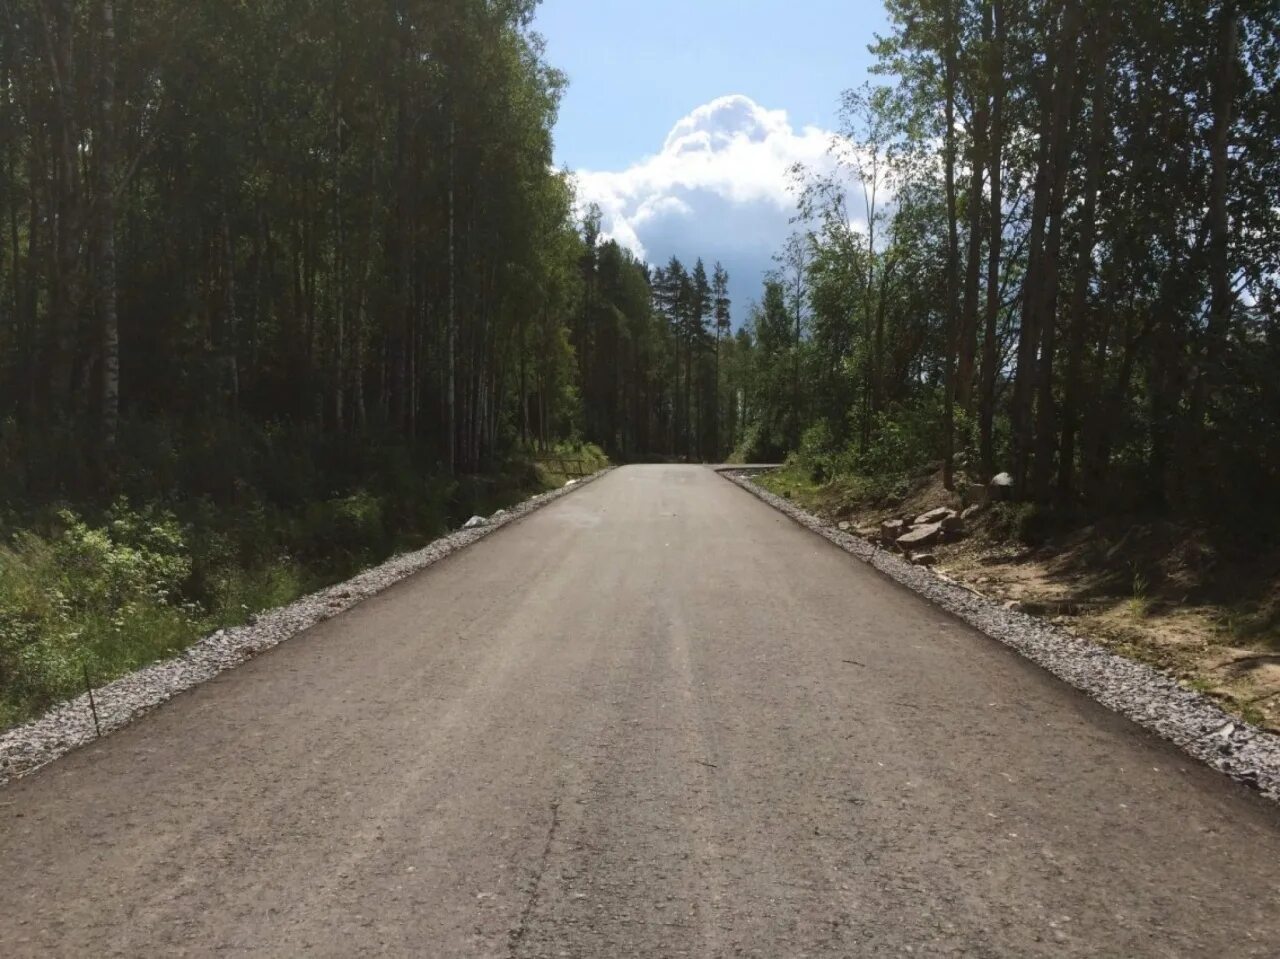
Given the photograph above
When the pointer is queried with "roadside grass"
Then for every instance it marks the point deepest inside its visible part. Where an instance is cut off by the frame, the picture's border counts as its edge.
(1140, 603)
(842, 495)
(588, 457)
(1251, 714)
(110, 591)
(1198, 684)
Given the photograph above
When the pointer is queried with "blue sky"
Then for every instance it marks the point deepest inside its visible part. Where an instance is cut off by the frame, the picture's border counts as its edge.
(681, 117)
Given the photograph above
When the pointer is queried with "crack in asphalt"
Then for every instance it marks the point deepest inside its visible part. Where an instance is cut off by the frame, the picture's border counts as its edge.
(522, 927)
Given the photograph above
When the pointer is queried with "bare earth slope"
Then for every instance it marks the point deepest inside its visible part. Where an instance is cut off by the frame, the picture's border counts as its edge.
(655, 718)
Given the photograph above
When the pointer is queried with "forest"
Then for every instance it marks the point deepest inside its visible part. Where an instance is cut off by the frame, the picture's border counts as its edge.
(287, 286)
(1040, 272)
(1049, 246)
(284, 287)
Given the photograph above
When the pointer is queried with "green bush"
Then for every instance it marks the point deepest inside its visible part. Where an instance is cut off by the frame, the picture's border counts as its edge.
(817, 455)
(347, 527)
(904, 438)
(237, 593)
(761, 444)
(1027, 523)
(105, 598)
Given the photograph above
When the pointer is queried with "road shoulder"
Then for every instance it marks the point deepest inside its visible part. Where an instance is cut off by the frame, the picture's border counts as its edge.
(1153, 700)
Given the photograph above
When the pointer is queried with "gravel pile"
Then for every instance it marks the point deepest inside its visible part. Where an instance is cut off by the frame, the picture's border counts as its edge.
(26, 748)
(1150, 698)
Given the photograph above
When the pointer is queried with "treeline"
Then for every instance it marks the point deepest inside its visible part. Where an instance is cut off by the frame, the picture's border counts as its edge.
(662, 374)
(330, 219)
(322, 226)
(1053, 247)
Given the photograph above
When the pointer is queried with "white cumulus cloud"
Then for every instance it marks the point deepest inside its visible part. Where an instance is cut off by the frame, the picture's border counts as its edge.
(720, 187)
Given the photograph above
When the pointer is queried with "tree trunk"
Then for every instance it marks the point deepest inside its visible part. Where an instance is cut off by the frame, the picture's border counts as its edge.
(968, 340)
(452, 388)
(524, 381)
(715, 429)
(690, 437)
(1221, 298)
(795, 387)
(870, 372)
(226, 341)
(105, 265)
(1046, 435)
(993, 32)
(338, 279)
(953, 248)
(1079, 308)
(1022, 412)
(64, 277)
(31, 297)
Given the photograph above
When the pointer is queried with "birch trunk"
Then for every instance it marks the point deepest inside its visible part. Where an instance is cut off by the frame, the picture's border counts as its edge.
(105, 266)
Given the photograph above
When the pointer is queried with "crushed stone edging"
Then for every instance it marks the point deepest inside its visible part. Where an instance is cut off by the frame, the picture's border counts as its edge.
(69, 725)
(1154, 700)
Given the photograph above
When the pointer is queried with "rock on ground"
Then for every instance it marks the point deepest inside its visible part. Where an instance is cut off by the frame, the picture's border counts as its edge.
(934, 516)
(925, 535)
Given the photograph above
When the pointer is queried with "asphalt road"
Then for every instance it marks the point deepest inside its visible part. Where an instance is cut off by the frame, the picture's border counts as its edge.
(653, 719)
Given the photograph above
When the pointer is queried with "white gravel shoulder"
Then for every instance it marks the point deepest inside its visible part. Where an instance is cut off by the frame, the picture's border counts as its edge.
(1149, 697)
(69, 725)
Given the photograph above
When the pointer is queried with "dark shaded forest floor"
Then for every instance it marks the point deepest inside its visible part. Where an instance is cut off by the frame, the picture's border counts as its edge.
(1188, 599)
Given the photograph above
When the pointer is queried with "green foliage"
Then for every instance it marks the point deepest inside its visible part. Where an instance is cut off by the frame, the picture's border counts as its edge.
(760, 444)
(1028, 523)
(347, 295)
(136, 555)
(234, 594)
(816, 453)
(113, 589)
(351, 230)
(903, 439)
(1105, 332)
(1139, 601)
(106, 598)
(350, 529)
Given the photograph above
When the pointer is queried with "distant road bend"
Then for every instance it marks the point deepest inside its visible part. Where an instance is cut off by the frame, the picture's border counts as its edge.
(656, 718)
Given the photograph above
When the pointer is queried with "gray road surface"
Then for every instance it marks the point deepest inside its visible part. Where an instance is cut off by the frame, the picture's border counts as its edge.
(653, 719)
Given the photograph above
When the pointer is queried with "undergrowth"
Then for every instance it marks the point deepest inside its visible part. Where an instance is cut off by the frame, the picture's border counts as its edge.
(104, 590)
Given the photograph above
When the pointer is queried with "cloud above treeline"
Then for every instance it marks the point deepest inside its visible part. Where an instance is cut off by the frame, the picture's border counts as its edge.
(720, 187)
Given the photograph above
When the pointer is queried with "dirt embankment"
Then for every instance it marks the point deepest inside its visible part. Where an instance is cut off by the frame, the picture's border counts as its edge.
(1176, 596)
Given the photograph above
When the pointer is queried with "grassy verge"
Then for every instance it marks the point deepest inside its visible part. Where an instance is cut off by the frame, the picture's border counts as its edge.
(844, 494)
(111, 590)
